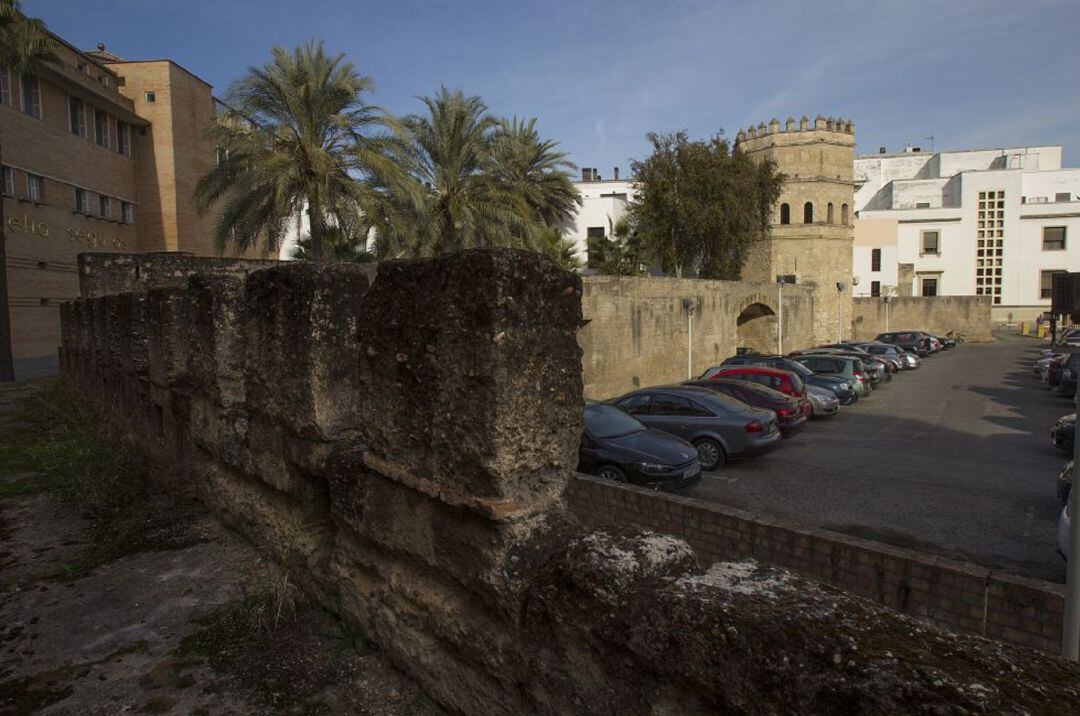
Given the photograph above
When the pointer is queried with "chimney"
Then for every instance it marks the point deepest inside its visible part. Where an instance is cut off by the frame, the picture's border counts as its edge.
(616, 174)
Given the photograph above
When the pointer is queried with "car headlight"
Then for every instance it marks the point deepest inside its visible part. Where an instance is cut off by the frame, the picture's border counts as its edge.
(652, 467)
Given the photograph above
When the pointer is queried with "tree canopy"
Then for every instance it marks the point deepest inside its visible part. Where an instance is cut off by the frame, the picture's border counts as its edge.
(699, 204)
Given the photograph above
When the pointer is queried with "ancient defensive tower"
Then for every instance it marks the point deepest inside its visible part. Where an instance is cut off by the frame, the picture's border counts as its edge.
(811, 232)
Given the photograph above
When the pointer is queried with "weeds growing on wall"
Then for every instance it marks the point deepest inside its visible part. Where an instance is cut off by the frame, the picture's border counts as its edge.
(50, 443)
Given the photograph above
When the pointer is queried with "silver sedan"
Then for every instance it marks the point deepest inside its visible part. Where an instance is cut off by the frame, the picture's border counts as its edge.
(822, 401)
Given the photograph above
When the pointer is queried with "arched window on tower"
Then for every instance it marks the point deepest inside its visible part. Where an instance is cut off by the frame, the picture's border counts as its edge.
(785, 214)
(808, 213)
(843, 214)
(829, 214)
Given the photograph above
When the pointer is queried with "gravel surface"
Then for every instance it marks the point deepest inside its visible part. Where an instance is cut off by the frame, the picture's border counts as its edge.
(953, 458)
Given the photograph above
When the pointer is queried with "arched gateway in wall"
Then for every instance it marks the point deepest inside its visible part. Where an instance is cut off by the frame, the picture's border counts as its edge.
(755, 326)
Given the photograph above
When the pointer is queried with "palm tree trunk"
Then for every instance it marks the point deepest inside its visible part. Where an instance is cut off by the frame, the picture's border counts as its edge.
(7, 363)
(315, 229)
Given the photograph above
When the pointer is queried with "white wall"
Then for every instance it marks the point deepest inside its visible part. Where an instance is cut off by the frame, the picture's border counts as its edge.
(604, 202)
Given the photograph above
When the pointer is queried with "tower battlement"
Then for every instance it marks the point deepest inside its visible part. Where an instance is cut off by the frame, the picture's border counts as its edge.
(843, 128)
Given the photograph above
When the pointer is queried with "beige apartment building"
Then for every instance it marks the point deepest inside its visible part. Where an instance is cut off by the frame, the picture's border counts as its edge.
(101, 154)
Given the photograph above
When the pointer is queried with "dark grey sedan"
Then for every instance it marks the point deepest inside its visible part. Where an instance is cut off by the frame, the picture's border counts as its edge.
(718, 426)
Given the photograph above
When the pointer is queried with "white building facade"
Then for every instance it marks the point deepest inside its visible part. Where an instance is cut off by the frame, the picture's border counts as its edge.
(983, 222)
(604, 201)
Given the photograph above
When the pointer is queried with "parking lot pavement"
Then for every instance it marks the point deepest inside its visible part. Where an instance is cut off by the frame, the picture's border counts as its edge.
(953, 458)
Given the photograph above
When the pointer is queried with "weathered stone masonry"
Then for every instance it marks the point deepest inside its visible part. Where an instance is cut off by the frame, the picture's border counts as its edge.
(403, 447)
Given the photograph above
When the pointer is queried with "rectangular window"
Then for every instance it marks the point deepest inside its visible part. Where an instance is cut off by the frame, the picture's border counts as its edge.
(1046, 282)
(875, 260)
(31, 95)
(82, 200)
(9, 181)
(930, 242)
(127, 213)
(5, 86)
(150, 96)
(123, 138)
(922, 205)
(104, 207)
(929, 287)
(101, 127)
(594, 252)
(1053, 238)
(77, 116)
(33, 186)
(1062, 196)
(875, 288)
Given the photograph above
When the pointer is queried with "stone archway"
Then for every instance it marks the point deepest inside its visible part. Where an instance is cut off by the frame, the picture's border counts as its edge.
(755, 328)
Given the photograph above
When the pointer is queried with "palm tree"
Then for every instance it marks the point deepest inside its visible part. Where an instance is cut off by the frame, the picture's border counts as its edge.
(24, 42)
(535, 172)
(455, 202)
(335, 248)
(562, 250)
(297, 139)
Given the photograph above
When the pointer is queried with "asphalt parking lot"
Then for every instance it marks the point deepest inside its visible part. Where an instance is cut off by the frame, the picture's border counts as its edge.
(953, 458)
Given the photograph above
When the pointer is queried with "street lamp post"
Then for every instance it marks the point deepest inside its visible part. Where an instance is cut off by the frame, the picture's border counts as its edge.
(885, 300)
(688, 307)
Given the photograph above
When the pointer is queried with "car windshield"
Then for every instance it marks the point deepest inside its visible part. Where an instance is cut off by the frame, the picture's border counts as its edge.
(606, 421)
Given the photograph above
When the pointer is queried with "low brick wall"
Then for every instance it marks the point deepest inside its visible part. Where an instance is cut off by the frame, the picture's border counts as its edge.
(943, 591)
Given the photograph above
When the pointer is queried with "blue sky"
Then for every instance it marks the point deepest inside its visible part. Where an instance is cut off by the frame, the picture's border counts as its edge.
(599, 75)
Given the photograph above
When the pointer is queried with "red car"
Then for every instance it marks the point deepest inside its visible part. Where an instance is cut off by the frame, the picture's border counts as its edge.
(782, 380)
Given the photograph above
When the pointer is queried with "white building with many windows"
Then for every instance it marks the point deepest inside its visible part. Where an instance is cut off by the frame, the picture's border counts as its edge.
(995, 222)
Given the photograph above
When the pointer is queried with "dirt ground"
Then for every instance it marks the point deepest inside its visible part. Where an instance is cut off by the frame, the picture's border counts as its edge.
(146, 604)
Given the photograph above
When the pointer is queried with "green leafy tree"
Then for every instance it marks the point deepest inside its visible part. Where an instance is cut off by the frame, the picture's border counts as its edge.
(24, 42)
(299, 138)
(336, 247)
(535, 173)
(700, 205)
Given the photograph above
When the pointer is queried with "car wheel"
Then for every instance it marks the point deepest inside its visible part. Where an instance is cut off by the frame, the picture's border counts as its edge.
(612, 473)
(711, 454)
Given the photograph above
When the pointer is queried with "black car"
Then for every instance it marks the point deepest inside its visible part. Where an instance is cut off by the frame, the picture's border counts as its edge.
(915, 341)
(1070, 372)
(617, 447)
(840, 387)
(789, 413)
(1062, 433)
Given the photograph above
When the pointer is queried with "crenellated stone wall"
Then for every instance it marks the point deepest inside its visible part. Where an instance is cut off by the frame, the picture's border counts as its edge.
(403, 446)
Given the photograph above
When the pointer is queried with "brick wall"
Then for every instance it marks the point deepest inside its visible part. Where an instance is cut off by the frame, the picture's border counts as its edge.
(945, 592)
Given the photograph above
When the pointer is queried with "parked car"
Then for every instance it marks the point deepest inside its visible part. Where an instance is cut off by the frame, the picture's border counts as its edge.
(1063, 532)
(1069, 373)
(1052, 372)
(885, 352)
(875, 369)
(841, 387)
(849, 368)
(789, 411)
(1064, 482)
(617, 447)
(822, 402)
(1062, 432)
(913, 341)
(1044, 359)
(718, 426)
(784, 381)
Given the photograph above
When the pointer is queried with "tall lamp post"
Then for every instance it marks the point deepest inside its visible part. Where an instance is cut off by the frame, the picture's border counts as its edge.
(885, 300)
(688, 307)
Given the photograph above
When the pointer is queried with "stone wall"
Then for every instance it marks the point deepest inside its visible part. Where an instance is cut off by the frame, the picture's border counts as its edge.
(103, 273)
(636, 328)
(946, 592)
(969, 315)
(403, 447)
